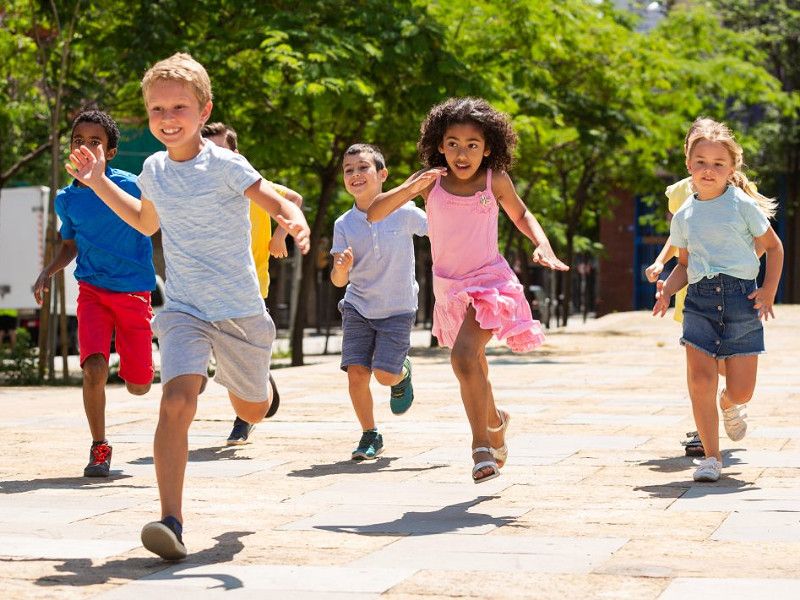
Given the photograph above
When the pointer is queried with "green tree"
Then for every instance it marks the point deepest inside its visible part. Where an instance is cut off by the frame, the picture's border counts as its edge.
(774, 27)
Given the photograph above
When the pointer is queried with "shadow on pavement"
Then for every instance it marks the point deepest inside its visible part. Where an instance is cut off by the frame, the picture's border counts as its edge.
(82, 571)
(443, 520)
(65, 483)
(202, 455)
(356, 467)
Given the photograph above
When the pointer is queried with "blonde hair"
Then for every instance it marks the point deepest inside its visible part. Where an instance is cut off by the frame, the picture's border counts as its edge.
(713, 131)
(180, 67)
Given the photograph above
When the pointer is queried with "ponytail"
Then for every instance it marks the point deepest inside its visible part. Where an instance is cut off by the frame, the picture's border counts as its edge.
(768, 206)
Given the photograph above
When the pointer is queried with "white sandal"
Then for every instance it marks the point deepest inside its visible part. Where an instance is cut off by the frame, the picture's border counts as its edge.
(501, 454)
(483, 464)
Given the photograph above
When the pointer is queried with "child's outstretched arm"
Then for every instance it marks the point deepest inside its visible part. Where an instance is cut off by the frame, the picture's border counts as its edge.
(765, 295)
(525, 221)
(65, 255)
(139, 214)
(342, 263)
(277, 243)
(676, 281)
(418, 184)
(653, 271)
(287, 215)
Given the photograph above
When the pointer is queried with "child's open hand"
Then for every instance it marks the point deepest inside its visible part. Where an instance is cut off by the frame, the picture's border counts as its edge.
(662, 300)
(299, 231)
(85, 166)
(545, 256)
(763, 303)
(424, 179)
(343, 261)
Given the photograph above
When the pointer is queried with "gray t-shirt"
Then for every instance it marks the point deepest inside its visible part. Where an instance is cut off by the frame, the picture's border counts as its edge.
(205, 226)
(718, 234)
(382, 280)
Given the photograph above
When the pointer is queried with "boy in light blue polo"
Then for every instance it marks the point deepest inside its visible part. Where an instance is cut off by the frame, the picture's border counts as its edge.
(376, 263)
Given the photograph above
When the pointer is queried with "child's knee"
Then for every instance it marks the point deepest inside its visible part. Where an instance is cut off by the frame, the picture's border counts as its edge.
(386, 378)
(137, 389)
(95, 369)
(358, 375)
(463, 360)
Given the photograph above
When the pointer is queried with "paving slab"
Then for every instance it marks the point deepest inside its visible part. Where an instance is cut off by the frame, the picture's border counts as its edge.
(596, 500)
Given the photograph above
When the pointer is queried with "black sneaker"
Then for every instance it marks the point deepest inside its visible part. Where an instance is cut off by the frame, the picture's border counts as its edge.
(99, 460)
(370, 446)
(693, 446)
(276, 399)
(164, 538)
(240, 432)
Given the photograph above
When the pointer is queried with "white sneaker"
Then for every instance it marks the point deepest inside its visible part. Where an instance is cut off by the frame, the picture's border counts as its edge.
(708, 470)
(734, 419)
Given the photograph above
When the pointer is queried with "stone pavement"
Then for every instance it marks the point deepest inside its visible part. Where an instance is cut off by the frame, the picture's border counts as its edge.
(596, 500)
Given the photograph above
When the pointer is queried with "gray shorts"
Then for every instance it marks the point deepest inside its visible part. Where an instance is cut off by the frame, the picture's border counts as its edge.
(375, 343)
(242, 348)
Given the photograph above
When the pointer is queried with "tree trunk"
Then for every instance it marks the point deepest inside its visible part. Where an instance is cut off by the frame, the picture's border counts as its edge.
(328, 184)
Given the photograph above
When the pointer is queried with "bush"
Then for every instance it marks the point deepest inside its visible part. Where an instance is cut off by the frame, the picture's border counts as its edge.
(19, 366)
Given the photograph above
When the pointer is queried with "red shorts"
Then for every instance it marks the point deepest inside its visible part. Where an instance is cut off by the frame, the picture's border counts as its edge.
(100, 312)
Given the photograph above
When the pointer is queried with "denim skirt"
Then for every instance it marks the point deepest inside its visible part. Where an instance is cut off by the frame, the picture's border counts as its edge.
(719, 318)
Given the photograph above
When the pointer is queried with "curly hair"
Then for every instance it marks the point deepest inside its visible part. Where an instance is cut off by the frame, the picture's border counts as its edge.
(105, 121)
(495, 126)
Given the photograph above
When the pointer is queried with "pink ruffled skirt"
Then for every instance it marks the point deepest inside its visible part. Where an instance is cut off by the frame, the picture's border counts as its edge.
(500, 306)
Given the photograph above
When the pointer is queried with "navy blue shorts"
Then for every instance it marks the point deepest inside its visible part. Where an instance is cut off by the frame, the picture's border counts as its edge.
(719, 318)
(375, 343)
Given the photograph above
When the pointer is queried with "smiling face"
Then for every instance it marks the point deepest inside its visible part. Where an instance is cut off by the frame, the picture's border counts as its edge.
(711, 166)
(176, 118)
(362, 179)
(464, 148)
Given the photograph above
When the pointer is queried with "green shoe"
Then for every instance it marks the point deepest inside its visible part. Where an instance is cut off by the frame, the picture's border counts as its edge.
(402, 393)
(370, 446)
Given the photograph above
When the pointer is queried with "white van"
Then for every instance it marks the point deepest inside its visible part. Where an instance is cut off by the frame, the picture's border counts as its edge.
(23, 224)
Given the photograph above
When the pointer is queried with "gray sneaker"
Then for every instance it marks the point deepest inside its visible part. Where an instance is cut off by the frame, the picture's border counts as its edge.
(370, 446)
(708, 470)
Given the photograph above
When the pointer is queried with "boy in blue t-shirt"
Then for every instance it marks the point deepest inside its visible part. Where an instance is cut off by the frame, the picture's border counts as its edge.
(114, 269)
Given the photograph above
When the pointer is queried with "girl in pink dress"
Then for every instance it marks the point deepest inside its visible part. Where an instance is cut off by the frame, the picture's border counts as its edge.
(467, 147)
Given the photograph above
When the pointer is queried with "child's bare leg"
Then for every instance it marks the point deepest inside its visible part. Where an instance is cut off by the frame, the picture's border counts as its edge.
(137, 389)
(252, 412)
(95, 376)
(741, 380)
(171, 446)
(358, 378)
(388, 379)
(468, 359)
(702, 377)
(493, 417)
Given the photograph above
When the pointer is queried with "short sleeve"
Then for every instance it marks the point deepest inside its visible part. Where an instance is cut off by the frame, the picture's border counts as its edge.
(144, 179)
(239, 173)
(752, 214)
(66, 230)
(339, 239)
(417, 220)
(677, 234)
(678, 193)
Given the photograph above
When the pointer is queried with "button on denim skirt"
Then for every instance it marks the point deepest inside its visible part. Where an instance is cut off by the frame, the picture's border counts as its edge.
(719, 318)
